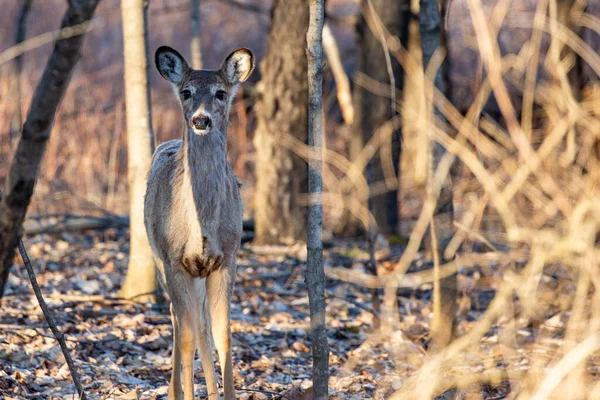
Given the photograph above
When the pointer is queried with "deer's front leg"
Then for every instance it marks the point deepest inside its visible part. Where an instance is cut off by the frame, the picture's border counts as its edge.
(185, 306)
(175, 390)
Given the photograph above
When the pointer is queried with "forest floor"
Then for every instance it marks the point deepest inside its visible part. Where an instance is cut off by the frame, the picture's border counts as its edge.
(123, 348)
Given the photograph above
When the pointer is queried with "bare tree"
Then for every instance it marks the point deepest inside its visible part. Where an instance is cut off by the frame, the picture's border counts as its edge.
(315, 275)
(372, 110)
(140, 281)
(282, 117)
(444, 321)
(36, 132)
(16, 118)
(196, 33)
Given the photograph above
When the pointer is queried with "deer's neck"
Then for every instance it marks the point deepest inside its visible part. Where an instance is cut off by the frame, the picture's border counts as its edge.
(204, 173)
(204, 156)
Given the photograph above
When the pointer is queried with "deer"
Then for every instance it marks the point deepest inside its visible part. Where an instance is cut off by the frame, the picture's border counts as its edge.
(193, 216)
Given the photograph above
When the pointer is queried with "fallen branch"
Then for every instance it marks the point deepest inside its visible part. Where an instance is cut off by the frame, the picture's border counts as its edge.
(57, 334)
(69, 223)
(77, 223)
(416, 279)
(277, 250)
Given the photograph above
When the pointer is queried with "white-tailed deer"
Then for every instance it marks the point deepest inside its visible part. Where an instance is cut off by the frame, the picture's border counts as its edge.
(193, 217)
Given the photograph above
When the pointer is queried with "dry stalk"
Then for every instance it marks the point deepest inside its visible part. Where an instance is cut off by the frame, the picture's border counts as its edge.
(48, 315)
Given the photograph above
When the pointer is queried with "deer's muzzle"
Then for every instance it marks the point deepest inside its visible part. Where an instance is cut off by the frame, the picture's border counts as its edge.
(201, 123)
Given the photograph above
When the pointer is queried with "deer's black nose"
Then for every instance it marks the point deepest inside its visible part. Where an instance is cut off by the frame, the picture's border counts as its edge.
(201, 122)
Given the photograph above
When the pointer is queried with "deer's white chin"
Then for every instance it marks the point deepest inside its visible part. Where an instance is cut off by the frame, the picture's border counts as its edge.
(201, 132)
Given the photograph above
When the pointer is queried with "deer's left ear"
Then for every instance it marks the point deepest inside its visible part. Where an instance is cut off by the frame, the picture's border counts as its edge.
(238, 66)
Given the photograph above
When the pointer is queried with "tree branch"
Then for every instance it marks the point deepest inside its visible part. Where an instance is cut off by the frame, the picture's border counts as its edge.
(57, 334)
(36, 131)
(15, 118)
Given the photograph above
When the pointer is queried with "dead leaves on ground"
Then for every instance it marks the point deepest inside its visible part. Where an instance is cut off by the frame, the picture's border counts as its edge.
(123, 348)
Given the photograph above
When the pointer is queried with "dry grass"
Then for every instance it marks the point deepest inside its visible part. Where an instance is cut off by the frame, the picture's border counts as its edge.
(528, 191)
(529, 187)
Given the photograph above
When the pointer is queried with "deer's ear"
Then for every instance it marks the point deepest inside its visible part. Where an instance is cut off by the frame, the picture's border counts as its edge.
(171, 65)
(238, 66)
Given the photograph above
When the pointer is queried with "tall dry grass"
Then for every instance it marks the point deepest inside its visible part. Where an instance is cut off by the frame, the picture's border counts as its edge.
(528, 211)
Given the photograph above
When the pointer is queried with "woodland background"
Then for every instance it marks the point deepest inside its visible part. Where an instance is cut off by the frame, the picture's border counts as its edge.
(516, 268)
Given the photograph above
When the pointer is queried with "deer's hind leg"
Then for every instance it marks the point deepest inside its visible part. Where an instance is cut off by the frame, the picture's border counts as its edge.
(219, 288)
(204, 342)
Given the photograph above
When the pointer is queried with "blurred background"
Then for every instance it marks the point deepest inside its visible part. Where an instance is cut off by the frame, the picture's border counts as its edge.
(85, 167)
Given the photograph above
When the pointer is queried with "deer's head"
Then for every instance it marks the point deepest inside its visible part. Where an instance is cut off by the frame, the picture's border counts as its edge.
(205, 95)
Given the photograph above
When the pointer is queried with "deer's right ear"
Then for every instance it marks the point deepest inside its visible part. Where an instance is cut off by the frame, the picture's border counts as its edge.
(171, 65)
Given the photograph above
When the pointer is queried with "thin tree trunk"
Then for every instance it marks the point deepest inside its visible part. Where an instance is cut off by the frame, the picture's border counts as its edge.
(373, 110)
(281, 175)
(445, 307)
(36, 132)
(15, 91)
(195, 30)
(50, 320)
(140, 281)
(315, 275)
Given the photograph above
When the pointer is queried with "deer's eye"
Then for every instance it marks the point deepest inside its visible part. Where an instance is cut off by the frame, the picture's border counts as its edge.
(186, 94)
(220, 95)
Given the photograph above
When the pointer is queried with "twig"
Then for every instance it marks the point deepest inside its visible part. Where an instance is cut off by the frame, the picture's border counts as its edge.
(45, 38)
(57, 334)
(566, 365)
(15, 327)
(265, 392)
(342, 82)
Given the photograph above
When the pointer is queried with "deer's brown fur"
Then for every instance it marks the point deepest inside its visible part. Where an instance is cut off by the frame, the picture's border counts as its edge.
(193, 217)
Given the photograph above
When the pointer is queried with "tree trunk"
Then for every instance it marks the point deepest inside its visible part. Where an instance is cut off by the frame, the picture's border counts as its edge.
(315, 275)
(140, 281)
(445, 307)
(281, 175)
(195, 31)
(591, 37)
(373, 110)
(36, 132)
(15, 91)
